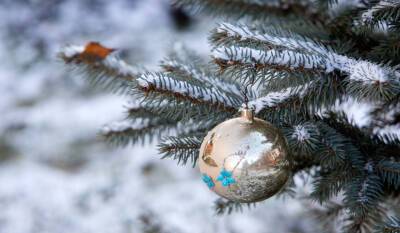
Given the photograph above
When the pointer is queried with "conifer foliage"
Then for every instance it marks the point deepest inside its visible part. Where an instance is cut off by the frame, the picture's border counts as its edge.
(326, 72)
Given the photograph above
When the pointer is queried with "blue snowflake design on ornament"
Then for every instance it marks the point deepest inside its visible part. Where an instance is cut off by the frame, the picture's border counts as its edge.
(208, 180)
(225, 177)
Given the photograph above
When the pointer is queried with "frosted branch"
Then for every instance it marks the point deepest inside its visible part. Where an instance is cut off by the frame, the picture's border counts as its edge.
(103, 67)
(294, 42)
(271, 99)
(163, 84)
(286, 58)
(369, 15)
(71, 51)
(357, 70)
(368, 72)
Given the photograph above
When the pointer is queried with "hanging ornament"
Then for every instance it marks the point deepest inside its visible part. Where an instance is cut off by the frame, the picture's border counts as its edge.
(245, 159)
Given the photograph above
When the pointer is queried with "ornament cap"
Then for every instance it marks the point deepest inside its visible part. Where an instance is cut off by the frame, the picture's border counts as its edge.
(247, 113)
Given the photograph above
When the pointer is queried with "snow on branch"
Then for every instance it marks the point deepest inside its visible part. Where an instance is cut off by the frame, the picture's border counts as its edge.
(368, 72)
(278, 59)
(376, 120)
(368, 80)
(362, 195)
(383, 10)
(303, 138)
(379, 18)
(165, 85)
(100, 64)
(388, 133)
(272, 99)
(303, 56)
(242, 44)
(300, 133)
(271, 39)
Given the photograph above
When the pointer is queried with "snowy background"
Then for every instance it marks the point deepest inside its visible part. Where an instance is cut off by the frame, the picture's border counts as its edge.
(55, 174)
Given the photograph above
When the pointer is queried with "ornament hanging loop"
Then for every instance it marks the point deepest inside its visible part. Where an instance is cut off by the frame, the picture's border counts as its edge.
(248, 86)
(247, 114)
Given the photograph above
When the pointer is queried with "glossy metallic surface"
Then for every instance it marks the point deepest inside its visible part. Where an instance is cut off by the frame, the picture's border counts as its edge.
(255, 154)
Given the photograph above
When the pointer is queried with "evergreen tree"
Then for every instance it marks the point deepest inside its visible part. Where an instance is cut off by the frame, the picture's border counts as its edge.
(323, 71)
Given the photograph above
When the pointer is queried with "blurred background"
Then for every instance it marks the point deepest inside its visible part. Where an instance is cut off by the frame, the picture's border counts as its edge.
(55, 174)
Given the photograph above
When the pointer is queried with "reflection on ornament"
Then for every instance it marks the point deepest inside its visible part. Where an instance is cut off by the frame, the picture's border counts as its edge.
(207, 152)
(247, 157)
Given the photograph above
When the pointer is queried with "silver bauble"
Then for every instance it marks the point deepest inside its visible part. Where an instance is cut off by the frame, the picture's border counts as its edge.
(245, 159)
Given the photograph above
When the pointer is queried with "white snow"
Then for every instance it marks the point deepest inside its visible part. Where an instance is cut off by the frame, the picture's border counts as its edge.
(72, 50)
(119, 126)
(287, 58)
(244, 33)
(368, 72)
(270, 100)
(368, 14)
(359, 113)
(301, 133)
(119, 65)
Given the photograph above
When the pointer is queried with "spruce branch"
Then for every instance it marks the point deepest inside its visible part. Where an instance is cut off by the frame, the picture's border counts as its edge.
(181, 148)
(272, 99)
(166, 109)
(310, 60)
(387, 51)
(273, 58)
(144, 110)
(272, 80)
(140, 130)
(190, 72)
(100, 66)
(370, 81)
(327, 214)
(338, 150)
(389, 171)
(228, 35)
(166, 85)
(224, 206)
(300, 103)
(254, 9)
(384, 10)
(329, 183)
(385, 121)
(240, 46)
(303, 138)
(362, 196)
(285, 112)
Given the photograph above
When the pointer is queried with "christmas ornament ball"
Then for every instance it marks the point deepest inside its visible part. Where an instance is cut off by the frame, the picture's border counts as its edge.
(245, 159)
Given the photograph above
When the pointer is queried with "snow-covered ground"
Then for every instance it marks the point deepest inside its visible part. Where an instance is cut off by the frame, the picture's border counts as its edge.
(55, 175)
